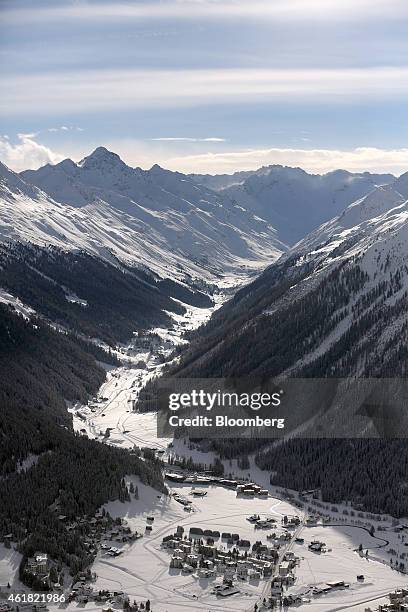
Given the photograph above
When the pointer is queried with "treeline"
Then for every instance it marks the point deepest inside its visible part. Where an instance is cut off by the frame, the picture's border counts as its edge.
(370, 473)
(333, 325)
(66, 474)
(73, 480)
(96, 298)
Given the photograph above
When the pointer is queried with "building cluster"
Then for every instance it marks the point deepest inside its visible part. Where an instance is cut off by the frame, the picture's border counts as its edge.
(83, 592)
(242, 488)
(39, 565)
(204, 552)
(398, 602)
(102, 528)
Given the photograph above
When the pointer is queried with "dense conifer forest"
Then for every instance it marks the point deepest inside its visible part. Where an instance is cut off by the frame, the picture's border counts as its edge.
(264, 331)
(100, 299)
(66, 474)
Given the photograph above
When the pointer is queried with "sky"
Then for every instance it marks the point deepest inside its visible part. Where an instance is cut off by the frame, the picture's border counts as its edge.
(206, 85)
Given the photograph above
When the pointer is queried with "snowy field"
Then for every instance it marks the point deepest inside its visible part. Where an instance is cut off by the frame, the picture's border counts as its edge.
(341, 562)
(9, 563)
(113, 408)
(143, 569)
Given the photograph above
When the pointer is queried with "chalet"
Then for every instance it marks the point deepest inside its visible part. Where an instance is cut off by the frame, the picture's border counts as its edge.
(289, 556)
(242, 572)
(208, 564)
(253, 518)
(38, 565)
(337, 584)
(185, 547)
(231, 484)
(277, 586)
(174, 477)
(196, 531)
(316, 546)
(225, 590)
(284, 568)
(192, 560)
(176, 562)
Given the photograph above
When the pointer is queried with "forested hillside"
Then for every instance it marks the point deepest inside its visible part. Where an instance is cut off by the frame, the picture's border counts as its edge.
(91, 296)
(64, 473)
(335, 307)
(371, 473)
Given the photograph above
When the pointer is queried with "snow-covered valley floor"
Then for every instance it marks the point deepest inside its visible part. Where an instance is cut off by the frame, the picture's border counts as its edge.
(143, 569)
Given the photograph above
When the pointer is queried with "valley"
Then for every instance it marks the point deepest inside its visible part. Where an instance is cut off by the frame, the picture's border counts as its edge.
(109, 268)
(142, 569)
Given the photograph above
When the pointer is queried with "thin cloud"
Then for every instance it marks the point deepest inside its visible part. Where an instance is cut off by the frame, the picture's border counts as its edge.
(359, 159)
(64, 128)
(183, 139)
(27, 136)
(104, 90)
(277, 10)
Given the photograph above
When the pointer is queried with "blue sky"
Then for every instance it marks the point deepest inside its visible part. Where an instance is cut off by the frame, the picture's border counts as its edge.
(206, 85)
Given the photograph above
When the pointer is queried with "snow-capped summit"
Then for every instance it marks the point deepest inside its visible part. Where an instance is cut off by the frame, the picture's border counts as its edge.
(101, 158)
(155, 218)
(376, 203)
(295, 202)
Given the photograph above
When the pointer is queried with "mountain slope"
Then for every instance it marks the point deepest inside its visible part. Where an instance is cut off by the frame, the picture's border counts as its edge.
(96, 298)
(296, 202)
(334, 306)
(66, 474)
(333, 310)
(217, 182)
(158, 219)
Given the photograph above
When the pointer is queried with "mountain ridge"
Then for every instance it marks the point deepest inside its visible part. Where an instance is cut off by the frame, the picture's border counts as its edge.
(156, 218)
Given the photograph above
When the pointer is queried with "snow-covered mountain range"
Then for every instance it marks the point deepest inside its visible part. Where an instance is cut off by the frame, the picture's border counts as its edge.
(334, 305)
(169, 224)
(157, 219)
(292, 200)
(195, 227)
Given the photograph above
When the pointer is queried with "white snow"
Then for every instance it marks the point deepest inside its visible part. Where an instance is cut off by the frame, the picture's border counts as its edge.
(9, 563)
(154, 219)
(16, 303)
(143, 569)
